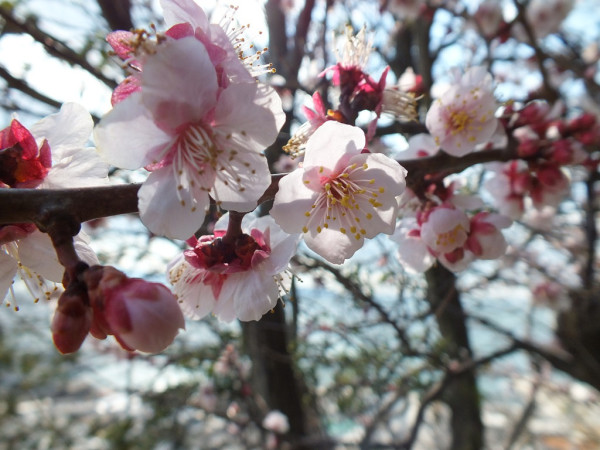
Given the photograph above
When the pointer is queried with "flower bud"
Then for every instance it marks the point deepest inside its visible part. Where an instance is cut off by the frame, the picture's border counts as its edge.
(72, 320)
(141, 315)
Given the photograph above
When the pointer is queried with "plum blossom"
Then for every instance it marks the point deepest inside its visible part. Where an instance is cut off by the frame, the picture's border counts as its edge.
(546, 16)
(447, 233)
(420, 146)
(489, 18)
(485, 239)
(240, 279)
(445, 230)
(276, 422)
(412, 250)
(341, 195)
(194, 136)
(545, 184)
(463, 116)
(50, 156)
(359, 91)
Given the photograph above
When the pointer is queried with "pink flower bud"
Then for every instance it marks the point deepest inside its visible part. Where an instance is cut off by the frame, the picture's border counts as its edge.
(72, 320)
(141, 315)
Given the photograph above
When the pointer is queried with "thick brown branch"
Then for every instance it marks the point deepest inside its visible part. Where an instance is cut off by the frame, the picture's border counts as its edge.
(32, 205)
(39, 205)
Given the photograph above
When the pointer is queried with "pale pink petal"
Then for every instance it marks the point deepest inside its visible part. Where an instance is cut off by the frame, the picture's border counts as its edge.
(419, 146)
(332, 145)
(389, 176)
(283, 245)
(332, 245)
(127, 137)
(181, 11)
(240, 188)
(179, 83)
(77, 168)
(224, 308)
(195, 298)
(498, 220)
(292, 201)
(250, 114)
(8, 270)
(68, 129)
(36, 252)
(412, 251)
(257, 295)
(83, 249)
(458, 265)
(165, 212)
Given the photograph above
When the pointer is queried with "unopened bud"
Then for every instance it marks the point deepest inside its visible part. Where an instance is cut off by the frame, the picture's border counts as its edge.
(141, 315)
(72, 320)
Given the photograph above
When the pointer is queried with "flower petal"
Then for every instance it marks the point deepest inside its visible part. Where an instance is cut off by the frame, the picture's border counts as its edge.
(68, 129)
(240, 187)
(332, 145)
(127, 136)
(36, 252)
(181, 11)
(179, 83)
(251, 113)
(167, 211)
(292, 201)
(333, 245)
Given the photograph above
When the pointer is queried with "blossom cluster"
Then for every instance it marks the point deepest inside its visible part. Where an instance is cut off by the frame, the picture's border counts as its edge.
(451, 228)
(546, 144)
(192, 113)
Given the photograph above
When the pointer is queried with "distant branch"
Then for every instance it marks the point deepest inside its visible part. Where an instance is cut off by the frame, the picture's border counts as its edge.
(54, 46)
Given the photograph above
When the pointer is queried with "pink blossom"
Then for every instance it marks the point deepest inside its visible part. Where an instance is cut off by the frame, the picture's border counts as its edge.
(276, 422)
(509, 186)
(341, 195)
(241, 279)
(485, 240)
(420, 146)
(463, 116)
(488, 18)
(315, 118)
(195, 137)
(412, 250)
(549, 186)
(50, 156)
(445, 230)
(546, 16)
(185, 18)
(141, 315)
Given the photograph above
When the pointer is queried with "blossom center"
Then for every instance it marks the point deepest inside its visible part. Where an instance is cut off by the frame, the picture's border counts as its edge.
(459, 121)
(346, 200)
(223, 257)
(450, 239)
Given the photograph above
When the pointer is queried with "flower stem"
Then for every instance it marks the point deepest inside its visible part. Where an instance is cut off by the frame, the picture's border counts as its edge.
(234, 227)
